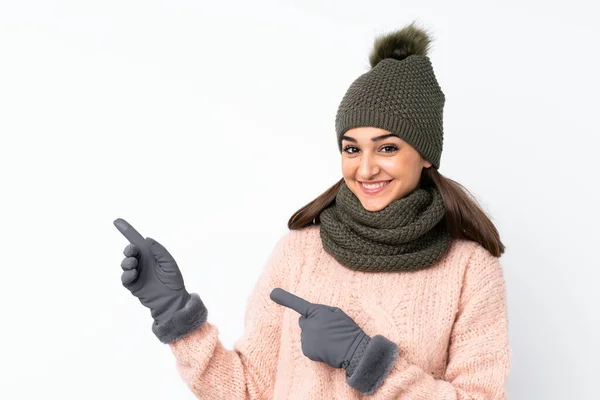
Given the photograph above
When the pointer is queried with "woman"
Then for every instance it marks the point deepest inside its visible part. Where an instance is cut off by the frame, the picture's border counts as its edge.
(387, 285)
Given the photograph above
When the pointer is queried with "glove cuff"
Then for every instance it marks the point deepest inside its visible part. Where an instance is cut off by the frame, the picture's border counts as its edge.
(377, 359)
(357, 355)
(191, 317)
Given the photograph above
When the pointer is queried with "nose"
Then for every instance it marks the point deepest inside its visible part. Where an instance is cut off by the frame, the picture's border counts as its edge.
(368, 166)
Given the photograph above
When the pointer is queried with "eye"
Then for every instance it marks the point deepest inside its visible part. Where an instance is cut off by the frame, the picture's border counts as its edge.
(347, 148)
(391, 148)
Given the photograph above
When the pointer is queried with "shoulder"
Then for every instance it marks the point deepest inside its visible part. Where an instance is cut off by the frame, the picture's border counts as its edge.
(471, 253)
(305, 237)
(301, 244)
(480, 269)
(296, 242)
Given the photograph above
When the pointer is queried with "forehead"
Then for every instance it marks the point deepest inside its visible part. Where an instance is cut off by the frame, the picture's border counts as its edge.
(365, 132)
(369, 135)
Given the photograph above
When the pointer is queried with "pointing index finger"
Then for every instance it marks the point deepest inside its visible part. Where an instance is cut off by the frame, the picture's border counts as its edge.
(129, 231)
(290, 300)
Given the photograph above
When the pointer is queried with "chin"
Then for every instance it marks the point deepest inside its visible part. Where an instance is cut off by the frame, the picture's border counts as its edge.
(375, 205)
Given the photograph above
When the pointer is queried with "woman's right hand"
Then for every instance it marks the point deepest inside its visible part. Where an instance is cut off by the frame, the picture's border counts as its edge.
(151, 274)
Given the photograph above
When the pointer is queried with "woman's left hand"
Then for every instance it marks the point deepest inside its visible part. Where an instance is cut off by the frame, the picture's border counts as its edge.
(328, 334)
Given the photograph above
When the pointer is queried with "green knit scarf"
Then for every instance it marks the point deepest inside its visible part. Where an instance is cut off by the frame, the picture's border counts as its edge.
(404, 236)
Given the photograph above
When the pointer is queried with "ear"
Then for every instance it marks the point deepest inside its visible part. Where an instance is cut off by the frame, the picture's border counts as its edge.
(426, 164)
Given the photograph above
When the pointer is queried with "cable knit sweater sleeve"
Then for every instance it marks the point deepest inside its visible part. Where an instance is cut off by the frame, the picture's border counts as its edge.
(248, 371)
(478, 354)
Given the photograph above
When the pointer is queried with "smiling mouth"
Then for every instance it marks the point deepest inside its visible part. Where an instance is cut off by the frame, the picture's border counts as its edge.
(374, 187)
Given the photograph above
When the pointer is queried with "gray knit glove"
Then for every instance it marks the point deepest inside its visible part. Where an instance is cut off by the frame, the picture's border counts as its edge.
(151, 274)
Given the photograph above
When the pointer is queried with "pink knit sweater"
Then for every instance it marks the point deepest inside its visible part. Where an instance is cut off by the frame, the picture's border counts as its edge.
(449, 321)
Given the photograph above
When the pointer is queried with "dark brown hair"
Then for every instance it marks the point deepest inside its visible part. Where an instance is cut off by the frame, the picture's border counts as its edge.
(464, 217)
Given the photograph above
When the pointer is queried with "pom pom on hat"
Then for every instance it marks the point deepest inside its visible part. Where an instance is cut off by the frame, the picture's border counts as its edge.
(400, 44)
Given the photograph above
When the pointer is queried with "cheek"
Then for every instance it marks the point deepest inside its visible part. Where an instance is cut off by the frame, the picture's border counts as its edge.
(402, 166)
(396, 167)
(348, 167)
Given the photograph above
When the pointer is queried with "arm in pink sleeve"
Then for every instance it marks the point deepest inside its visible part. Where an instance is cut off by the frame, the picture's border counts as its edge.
(478, 354)
(248, 371)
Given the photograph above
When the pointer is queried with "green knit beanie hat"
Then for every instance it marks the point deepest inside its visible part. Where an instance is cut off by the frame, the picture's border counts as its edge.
(399, 93)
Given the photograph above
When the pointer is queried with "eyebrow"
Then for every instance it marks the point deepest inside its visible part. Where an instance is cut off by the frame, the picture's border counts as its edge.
(374, 139)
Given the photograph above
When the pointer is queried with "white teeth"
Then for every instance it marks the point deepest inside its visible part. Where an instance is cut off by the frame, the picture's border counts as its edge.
(375, 186)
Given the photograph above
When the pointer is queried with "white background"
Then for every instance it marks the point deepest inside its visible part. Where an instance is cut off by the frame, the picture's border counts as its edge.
(207, 124)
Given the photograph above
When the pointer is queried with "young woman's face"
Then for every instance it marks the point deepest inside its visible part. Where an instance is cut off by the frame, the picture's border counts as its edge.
(369, 159)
